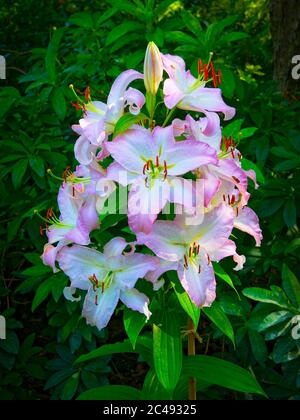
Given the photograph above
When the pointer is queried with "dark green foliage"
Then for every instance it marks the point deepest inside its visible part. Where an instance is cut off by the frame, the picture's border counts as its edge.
(251, 324)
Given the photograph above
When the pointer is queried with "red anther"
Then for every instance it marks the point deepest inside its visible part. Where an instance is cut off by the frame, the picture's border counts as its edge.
(157, 162)
(95, 279)
(213, 73)
(145, 122)
(84, 109)
(146, 181)
(102, 287)
(232, 200)
(235, 179)
(49, 213)
(208, 259)
(186, 261)
(199, 66)
(47, 227)
(144, 168)
(205, 72)
(190, 251)
(73, 191)
(96, 300)
(219, 77)
(148, 165)
(87, 93)
(198, 249)
(41, 231)
(237, 212)
(232, 153)
(199, 269)
(76, 105)
(165, 166)
(224, 198)
(228, 199)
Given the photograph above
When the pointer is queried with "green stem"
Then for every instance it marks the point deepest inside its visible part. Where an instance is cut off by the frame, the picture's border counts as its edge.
(192, 352)
(168, 116)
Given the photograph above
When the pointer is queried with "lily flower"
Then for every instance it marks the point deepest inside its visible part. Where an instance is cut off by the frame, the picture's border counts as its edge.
(152, 163)
(107, 277)
(186, 92)
(99, 119)
(194, 247)
(78, 217)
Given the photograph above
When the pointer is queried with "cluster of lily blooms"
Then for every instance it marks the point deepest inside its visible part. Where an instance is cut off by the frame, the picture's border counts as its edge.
(152, 161)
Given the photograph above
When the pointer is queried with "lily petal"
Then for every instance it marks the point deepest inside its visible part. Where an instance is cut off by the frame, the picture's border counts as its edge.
(248, 222)
(136, 301)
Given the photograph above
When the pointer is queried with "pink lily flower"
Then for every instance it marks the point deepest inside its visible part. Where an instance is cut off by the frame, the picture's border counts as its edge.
(186, 92)
(152, 163)
(99, 119)
(78, 217)
(107, 277)
(193, 247)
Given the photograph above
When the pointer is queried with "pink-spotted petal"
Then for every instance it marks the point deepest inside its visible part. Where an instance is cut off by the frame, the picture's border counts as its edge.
(136, 301)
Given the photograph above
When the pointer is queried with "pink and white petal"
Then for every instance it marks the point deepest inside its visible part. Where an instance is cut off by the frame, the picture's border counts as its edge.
(163, 266)
(98, 310)
(68, 204)
(129, 268)
(227, 249)
(136, 301)
(179, 126)
(93, 129)
(69, 292)
(119, 174)
(229, 170)
(145, 203)
(115, 247)
(84, 151)
(171, 63)
(167, 240)
(120, 85)
(240, 260)
(201, 287)
(77, 129)
(172, 94)
(209, 99)
(211, 124)
(211, 185)
(50, 254)
(183, 191)
(88, 218)
(252, 175)
(248, 222)
(187, 155)
(56, 233)
(132, 149)
(135, 99)
(162, 139)
(215, 229)
(79, 263)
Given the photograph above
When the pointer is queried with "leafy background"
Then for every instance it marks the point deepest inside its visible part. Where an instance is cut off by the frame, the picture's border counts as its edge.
(90, 43)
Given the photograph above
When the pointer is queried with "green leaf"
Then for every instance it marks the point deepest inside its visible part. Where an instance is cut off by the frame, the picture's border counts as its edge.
(133, 323)
(51, 55)
(11, 343)
(37, 164)
(192, 23)
(153, 389)
(59, 103)
(272, 319)
(111, 392)
(266, 296)
(223, 275)
(290, 213)
(42, 292)
(258, 346)
(247, 132)
(282, 350)
(187, 305)
(234, 36)
(18, 172)
(167, 350)
(220, 372)
(70, 387)
(142, 347)
(126, 121)
(216, 314)
(287, 165)
(247, 164)
(291, 285)
(121, 30)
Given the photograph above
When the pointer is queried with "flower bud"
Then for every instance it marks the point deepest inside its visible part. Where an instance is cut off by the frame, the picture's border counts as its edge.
(153, 68)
